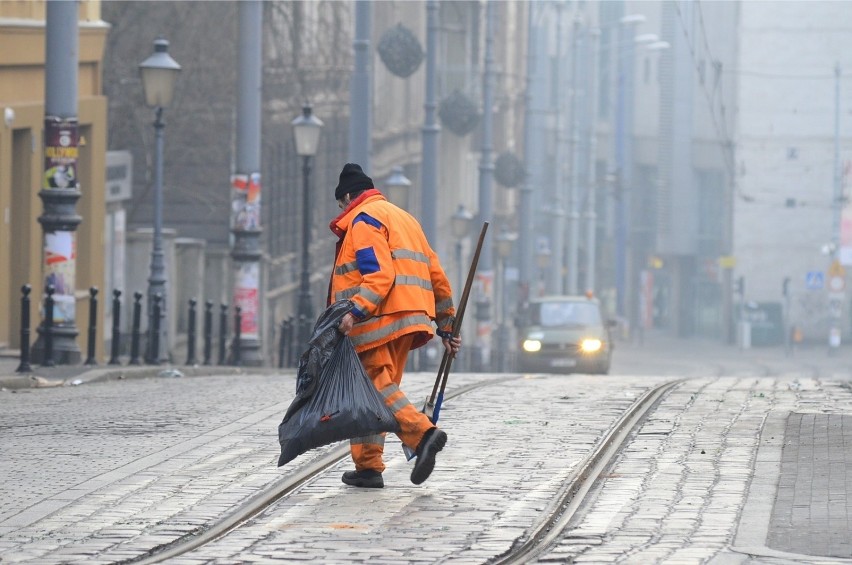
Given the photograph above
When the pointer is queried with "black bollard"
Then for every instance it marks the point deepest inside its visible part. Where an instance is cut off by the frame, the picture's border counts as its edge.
(93, 325)
(282, 344)
(292, 359)
(223, 332)
(155, 331)
(24, 366)
(238, 320)
(116, 331)
(48, 327)
(208, 331)
(190, 334)
(302, 333)
(137, 334)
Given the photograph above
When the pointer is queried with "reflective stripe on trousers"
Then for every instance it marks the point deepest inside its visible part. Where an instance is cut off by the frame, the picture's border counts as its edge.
(384, 366)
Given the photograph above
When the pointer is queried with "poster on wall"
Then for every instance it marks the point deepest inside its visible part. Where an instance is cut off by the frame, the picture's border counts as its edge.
(245, 202)
(247, 283)
(60, 258)
(60, 153)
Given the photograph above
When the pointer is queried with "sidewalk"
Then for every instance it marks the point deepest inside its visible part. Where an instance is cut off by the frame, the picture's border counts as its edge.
(661, 354)
(73, 375)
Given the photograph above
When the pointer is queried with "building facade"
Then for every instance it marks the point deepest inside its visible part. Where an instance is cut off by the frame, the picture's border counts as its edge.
(22, 157)
(793, 149)
(308, 57)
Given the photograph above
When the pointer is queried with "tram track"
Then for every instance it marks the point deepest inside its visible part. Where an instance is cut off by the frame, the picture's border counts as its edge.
(266, 498)
(581, 481)
(519, 479)
(544, 534)
(568, 501)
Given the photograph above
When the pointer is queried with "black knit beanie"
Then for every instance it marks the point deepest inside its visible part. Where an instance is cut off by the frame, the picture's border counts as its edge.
(352, 179)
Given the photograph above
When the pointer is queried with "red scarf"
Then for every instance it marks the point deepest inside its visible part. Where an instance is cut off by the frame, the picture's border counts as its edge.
(364, 195)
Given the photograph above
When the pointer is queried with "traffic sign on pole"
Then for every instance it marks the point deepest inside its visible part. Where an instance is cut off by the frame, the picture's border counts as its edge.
(814, 280)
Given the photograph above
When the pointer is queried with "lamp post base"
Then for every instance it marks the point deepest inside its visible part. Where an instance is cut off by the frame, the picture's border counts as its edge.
(250, 353)
(65, 349)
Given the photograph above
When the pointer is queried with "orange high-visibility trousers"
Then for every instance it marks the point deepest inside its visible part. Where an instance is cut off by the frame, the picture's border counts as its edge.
(384, 365)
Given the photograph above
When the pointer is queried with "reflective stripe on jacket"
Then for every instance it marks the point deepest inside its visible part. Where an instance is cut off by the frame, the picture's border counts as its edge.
(386, 267)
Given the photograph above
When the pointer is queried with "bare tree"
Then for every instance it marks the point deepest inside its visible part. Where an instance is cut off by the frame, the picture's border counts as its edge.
(307, 49)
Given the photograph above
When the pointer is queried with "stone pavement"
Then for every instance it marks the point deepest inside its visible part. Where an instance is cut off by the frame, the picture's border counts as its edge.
(103, 472)
(685, 490)
(810, 515)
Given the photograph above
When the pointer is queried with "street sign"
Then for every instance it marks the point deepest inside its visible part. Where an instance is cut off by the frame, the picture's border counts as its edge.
(836, 269)
(727, 261)
(814, 280)
(836, 284)
(835, 308)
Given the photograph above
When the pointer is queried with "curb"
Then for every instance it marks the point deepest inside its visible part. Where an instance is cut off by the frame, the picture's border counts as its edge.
(28, 381)
(124, 373)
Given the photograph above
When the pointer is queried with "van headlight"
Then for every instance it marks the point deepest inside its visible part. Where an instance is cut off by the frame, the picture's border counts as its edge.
(590, 345)
(531, 345)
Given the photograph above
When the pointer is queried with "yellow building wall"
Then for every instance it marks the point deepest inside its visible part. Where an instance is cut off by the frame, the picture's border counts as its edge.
(22, 84)
(89, 10)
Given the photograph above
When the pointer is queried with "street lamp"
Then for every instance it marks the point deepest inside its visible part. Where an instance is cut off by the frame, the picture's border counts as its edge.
(645, 38)
(623, 146)
(460, 224)
(306, 131)
(542, 261)
(505, 242)
(159, 73)
(398, 188)
(658, 46)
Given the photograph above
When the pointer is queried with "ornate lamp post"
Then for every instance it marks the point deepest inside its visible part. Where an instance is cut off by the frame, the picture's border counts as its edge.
(398, 188)
(159, 73)
(505, 242)
(460, 223)
(542, 261)
(306, 131)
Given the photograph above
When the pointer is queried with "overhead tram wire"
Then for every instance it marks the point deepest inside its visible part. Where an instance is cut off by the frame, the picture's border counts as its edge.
(726, 144)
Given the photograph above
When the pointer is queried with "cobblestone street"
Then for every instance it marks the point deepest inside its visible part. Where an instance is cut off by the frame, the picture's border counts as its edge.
(106, 471)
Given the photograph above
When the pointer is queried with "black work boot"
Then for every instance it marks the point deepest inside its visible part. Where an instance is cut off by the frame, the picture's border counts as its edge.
(367, 478)
(433, 441)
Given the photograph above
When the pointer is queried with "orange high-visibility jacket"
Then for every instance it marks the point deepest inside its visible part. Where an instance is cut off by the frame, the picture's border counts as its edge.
(385, 265)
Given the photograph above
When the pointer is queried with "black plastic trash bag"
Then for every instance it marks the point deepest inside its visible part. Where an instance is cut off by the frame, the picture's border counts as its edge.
(337, 404)
(320, 348)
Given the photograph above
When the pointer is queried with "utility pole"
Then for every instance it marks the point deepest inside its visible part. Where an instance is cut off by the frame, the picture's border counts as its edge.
(486, 178)
(536, 154)
(361, 112)
(526, 251)
(837, 207)
(785, 292)
(60, 188)
(558, 227)
(836, 271)
(592, 110)
(624, 153)
(245, 219)
(430, 127)
(574, 190)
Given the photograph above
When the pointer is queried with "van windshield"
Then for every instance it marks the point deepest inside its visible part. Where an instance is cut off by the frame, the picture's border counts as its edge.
(565, 314)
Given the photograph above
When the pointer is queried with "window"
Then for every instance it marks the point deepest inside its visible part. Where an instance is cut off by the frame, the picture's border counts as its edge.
(566, 314)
